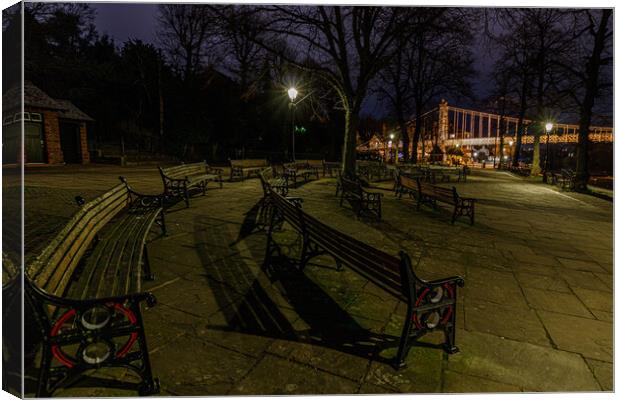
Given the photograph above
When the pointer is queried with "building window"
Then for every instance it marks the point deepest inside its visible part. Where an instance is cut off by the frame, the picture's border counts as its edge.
(35, 117)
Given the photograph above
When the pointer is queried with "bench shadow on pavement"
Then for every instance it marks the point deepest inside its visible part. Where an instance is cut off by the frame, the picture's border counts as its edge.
(254, 312)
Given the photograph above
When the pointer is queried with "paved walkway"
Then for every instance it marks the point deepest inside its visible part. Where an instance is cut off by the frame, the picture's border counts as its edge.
(535, 313)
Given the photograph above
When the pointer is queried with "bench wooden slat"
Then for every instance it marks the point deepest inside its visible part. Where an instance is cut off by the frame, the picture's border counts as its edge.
(52, 250)
(394, 275)
(381, 268)
(68, 248)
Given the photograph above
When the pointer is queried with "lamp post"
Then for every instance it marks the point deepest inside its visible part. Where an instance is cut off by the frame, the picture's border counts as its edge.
(390, 144)
(548, 128)
(292, 94)
(510, 143)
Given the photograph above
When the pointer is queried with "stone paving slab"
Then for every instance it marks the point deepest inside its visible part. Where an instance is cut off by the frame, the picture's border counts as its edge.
(535, 314)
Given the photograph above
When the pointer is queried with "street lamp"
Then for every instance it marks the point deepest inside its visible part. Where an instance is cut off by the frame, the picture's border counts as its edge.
(548, 128)
(292, 94)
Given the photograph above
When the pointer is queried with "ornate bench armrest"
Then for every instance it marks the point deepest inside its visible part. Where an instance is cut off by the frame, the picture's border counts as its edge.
(142, 198)
(438, 282)
(149, 297)
(215, 170)
(295, 200)
(371, 195)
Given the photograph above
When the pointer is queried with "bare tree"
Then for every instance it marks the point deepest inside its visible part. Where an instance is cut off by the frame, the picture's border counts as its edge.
(531, 41)
(184, 32)
(347, 46)
(245, 56)
(442, 60)
(592, 42)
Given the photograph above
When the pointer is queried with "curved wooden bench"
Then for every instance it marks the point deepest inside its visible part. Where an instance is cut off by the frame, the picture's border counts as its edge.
(431, 305)
(84, 290)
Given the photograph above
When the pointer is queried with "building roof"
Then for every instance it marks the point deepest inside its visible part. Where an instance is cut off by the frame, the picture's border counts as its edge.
(70, 111)
(33, 97)
(37, 98)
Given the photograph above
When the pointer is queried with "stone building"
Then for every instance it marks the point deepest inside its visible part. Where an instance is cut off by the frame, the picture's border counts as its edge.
(55, 131)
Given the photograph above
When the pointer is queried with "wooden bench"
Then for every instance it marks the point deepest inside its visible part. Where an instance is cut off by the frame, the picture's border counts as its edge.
(566, 179)
(521, 170)
(180, 179)
(13, 353)
(431, 305)
(270, 181)
(372, 170)
(302, 168)
(330, 166)
(409, 173)
(84, 290)
(361, 199)
(430, 194)
(244, 168)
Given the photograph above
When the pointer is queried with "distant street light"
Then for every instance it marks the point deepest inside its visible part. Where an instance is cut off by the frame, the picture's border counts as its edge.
(292, 94)
(548, 128)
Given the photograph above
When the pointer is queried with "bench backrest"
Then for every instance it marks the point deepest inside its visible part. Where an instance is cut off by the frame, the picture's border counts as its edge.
(304, 164)
(264, 176)
(315, 163)
(448, 194)
(249, 163)
(407, 181)
(10, 271)
(351, 186)
(379, 267)
(184, 170)
(53, 268)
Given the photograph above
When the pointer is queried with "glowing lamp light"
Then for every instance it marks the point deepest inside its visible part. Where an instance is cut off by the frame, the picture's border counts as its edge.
(292, 93)
(457, 145)
(549, 126)
(476, 154)
(510, 143)
(391, 136)
(390, 143)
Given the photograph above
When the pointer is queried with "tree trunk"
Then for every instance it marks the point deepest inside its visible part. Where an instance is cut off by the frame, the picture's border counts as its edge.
(502, 133)
(351, 122)
(591, 83)
(405, 136)
(520, 129)
(536, 158)
(416, 137)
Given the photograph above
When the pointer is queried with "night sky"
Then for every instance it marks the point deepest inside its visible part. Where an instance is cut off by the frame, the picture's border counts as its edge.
(139, 21)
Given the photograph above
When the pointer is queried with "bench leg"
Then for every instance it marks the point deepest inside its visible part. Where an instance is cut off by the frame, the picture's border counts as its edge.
(204, 188)
(147, 266)
(46, 360)
(471, 215)
(186, 195)
(149, 385)
(403, 346)
(455, 213)
(162, 222)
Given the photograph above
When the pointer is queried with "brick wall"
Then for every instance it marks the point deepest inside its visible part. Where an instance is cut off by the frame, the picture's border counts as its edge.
(84, 144)
(51, 132)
